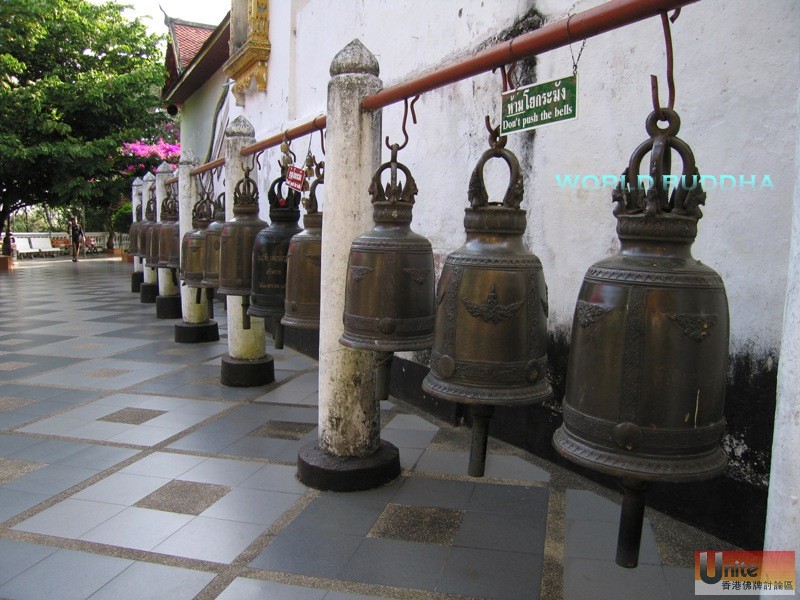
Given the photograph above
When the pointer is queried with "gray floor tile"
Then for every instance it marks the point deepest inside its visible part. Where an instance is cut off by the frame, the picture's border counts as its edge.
(10, 444)
(334, 514)
(260, 447)
(161, 583)
(252, 589)
(66, 575)
(14, 502)
(125, 489)
(164, 464)
(97, 457)
(70, 518)
(221, 471)
(680, 583)
(509, 533)
(396, 563)
(408, 438)
(509, 499)
(144, 435)
(604, 580)
(52, 479)
(502, 466)
(411, 422)
(439, 461)
(435, 492)
(491, 574)
(48, 451)
(17, 557)
(308, 552)
(598, 540)
(54, 426)
(583, 504)
(138, 528)
(277, 478)
(346, 596)
(251, 506)
(214, 540)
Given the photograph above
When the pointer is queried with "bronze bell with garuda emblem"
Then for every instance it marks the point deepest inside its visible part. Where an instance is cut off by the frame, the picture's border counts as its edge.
(646, 377)
(270, 251)
(193, 247)
(237, 239)
(490, 342)
(153, 234)
(390, 275)
(213, 233)
(304, 264)
(133, 232)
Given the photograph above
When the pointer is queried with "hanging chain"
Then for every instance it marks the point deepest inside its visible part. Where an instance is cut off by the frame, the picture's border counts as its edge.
(575, 61)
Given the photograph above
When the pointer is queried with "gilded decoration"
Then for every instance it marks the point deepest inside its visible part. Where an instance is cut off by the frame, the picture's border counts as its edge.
(247, 64)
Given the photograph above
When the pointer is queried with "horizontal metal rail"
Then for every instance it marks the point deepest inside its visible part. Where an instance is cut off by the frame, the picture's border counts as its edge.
(578, 27)
(316, 124)
(208, 166)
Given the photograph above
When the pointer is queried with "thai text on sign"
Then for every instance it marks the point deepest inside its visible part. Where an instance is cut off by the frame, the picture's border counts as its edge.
(539, 104)
(295, 177)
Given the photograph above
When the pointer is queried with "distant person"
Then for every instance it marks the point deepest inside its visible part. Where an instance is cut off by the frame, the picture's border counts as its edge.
(76, 235)
(10, 244)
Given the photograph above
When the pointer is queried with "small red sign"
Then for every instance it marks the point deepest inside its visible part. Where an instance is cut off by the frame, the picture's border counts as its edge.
(295, 177)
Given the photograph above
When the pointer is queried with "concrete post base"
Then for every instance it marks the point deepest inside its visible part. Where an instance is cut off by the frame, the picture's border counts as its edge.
(322, 471)
(168, 307)
(148, 293)
(137, 278)
(247, 373)
(195, 333)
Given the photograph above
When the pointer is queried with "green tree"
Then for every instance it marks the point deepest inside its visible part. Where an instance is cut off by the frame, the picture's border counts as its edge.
(76, 81)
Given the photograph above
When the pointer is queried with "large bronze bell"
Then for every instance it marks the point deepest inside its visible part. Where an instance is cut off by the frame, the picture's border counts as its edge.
(648, 357)
(153, 236)
(490, 342)
(133, 233)
(144, 228)
(193, 246)
(169, 222)
(389, 290)
(270, 252)
(303, 265)
(236, 244)
(213, 233)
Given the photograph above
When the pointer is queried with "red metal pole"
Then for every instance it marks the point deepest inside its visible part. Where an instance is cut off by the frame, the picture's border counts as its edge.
(603, 18)
(315, 124)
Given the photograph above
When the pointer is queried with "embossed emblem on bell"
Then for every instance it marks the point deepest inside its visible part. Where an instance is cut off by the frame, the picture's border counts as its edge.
(649, 351)
(304, 264)
(270, 252)
(390, 281)
(237, 239)
(133, 232)
(213, 233)
(490, 341)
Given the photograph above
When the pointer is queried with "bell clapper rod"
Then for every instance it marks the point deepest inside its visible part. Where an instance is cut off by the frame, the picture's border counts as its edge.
(481, 415)
(210, 299)
(383, 365)
(278, 334)
(245, 315)
(594, 21)
(631, 519)
(198, 296)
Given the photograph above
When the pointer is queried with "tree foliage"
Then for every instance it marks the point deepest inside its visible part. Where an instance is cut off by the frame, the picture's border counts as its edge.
(77, 80)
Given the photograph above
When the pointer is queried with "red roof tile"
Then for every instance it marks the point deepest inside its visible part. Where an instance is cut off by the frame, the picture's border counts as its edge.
(188, 40)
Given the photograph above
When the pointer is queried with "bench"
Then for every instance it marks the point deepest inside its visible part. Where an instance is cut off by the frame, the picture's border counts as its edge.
(24, 247)
(43, 246)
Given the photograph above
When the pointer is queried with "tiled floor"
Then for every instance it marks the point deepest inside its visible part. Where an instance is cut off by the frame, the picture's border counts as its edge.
(128, 471)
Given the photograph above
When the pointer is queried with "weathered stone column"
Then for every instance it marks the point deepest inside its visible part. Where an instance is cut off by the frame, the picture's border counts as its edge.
(247, 363)
(783, 504)
(136, 202)
(149, 288)
(350, 454)
(168, 301)
(196, 326)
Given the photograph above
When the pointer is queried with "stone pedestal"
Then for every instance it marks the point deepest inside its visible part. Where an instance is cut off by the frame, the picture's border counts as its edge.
(137, 278)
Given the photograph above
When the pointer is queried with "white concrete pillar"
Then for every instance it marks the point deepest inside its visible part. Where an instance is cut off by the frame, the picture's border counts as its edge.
(349, 415)
(247, 363)
(149, 181)
(136, 202)
(166, 281)
(783, 504)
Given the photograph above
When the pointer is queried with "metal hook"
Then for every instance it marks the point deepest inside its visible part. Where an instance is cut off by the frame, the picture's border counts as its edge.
(670, 79)
(405, 120)
(507, 77)
(495, 139)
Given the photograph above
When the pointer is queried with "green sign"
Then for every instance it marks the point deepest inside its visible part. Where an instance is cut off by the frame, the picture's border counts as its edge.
(540, 104)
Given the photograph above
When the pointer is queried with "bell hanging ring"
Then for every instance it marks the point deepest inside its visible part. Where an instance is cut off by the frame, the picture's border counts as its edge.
(490, 341)
(270, 253)
(648, 357)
